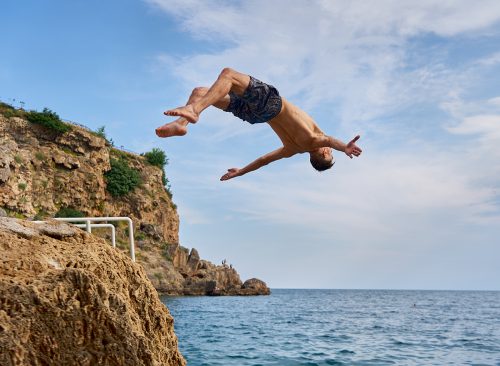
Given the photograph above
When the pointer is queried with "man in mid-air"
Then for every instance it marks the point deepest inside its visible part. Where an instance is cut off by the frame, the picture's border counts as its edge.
(256, 102)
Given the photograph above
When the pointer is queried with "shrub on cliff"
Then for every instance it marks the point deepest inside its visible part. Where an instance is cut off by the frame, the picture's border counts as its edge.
(157, 157)
(101, 132)
(69, 212)
(121, 179)
(49, 119)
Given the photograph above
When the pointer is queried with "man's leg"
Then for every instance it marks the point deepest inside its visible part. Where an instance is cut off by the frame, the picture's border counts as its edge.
(229, 80)
(179, 126)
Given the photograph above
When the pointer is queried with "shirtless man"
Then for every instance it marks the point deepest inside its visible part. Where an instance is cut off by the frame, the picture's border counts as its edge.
(256, 102)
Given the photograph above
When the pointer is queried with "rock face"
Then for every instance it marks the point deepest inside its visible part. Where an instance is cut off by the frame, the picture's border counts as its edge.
(68, 298)
(41, 173)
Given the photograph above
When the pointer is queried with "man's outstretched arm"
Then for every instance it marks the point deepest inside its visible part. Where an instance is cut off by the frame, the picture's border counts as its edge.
(258, 163)
(349, 149)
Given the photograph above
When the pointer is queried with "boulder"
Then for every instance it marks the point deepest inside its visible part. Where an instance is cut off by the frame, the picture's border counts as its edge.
(68, 298)
(254, 286)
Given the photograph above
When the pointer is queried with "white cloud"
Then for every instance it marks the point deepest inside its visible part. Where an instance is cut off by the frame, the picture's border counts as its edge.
(346, 51)
(377, 193)
(353, 61)
(494, 101)
(446, 18)
(351, 53)
(486, 125)
(491, 60)
(193, 216)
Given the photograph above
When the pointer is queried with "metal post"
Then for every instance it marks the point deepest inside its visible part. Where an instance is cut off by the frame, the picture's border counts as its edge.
(113, 236)
(93, 219)
(111, 226)
(131, 238)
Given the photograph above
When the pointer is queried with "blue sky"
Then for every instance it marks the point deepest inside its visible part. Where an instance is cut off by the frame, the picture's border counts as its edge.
(419, 80)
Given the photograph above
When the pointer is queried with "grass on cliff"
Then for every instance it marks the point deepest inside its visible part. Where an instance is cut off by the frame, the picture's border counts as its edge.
(121, 179)
(48, 119)
(9, 111)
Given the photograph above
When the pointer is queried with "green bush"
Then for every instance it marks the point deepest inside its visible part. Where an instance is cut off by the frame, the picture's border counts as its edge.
(69, 212)
(121, 179)
(40, 156)
(156, 157)
(49, 119)
(101, 132)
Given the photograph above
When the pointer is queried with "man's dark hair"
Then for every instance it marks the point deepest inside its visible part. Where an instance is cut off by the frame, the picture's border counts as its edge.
(321, 164)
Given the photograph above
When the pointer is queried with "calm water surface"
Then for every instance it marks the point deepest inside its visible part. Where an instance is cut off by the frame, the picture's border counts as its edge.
(340, 327)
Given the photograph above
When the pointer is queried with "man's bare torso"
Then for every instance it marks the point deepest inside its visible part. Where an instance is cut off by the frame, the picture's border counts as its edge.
(295, 128)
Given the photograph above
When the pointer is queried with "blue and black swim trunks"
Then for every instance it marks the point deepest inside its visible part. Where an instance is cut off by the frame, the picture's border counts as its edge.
(259, 103)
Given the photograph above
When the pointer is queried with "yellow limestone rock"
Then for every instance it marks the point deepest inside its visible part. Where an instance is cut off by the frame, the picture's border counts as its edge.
(68, 298)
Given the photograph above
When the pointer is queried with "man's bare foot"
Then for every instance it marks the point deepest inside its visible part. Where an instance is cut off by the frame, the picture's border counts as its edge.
(187, 112)
(171, 129)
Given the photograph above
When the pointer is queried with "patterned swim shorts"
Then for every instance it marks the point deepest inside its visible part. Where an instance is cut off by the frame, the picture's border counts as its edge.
(259, 103)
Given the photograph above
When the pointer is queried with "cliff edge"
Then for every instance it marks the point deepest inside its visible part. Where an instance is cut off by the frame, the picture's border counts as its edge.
(46, 173)
(68, 298)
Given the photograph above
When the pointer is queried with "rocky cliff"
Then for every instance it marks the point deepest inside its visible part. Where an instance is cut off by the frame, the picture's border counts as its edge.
(68, 298)
(43, 173)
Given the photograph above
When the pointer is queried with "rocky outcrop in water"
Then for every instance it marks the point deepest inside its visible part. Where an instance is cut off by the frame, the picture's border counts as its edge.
(68, 298)
(194, 276)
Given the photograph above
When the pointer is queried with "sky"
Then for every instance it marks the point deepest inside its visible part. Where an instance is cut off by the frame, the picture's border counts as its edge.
(419, 80)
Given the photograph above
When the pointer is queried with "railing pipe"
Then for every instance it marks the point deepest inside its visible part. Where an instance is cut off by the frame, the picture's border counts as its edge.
(111, 226)
(93, 219)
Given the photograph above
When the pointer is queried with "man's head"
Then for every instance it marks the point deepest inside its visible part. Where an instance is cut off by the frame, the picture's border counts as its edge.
(322, 158)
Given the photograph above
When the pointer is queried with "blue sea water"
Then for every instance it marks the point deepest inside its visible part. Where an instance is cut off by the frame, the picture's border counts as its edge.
(340, 327)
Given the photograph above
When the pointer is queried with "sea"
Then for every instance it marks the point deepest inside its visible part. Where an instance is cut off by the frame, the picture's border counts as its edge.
(340, 327)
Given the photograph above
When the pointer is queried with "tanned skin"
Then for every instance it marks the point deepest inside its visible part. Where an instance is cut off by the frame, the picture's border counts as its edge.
(298, 132)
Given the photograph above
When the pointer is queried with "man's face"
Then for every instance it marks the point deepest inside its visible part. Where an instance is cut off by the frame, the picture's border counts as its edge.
(322, 158)
(324, 153)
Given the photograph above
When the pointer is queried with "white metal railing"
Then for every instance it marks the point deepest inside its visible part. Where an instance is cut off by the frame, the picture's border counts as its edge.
(89, 225)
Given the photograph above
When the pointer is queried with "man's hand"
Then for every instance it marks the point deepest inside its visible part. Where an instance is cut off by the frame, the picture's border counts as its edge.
(231, 173)
(352, 149)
